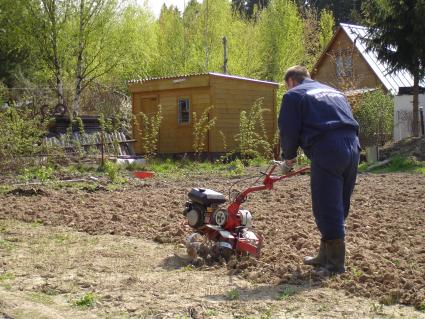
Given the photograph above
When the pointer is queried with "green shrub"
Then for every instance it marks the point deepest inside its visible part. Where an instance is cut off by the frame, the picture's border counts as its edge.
(21, 135)
(150, 131)
(374, 113)
(113, 171)
(252, 136)
(201, 127)
(42, 173)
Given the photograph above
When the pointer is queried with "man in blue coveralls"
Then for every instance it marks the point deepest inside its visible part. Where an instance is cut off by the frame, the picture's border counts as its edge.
(319, 119)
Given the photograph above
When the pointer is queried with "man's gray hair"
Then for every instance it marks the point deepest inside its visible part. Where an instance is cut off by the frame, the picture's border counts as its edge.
(297, 73)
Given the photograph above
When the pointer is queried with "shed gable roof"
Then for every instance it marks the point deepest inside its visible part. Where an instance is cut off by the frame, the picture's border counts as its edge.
(139, 81)
(392, 82)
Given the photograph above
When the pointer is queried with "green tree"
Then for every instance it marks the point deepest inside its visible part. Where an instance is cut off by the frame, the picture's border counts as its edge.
(46, 27)
(282, 38)
(327, 24)
(396, 34)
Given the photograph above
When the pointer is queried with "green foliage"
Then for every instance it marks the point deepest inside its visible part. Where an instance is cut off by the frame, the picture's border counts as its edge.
(286, 292)
(421, 306)
(201, 127)
(150, 131)
(397, 164)
(233, 294)
(113, 171)
(86, 301)
(252, 136)
(235, 168)
(6, 276)
(281, 44)
(42, 173)
(20, 135)
(327, 23)
(375, 116)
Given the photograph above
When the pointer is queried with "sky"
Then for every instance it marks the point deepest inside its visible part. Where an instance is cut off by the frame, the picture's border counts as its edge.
(156, 5)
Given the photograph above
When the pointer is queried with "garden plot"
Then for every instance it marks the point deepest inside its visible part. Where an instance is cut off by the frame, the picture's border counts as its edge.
(125, 258)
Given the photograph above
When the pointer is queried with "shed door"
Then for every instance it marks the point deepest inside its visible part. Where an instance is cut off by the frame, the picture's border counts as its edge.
(149, 106)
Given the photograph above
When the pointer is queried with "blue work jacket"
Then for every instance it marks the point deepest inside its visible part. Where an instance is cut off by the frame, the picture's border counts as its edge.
(310, 110)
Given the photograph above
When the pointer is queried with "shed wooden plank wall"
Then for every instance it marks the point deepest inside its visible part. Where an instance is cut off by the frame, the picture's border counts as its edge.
(230, 97)
(174, 137)
(363, 75)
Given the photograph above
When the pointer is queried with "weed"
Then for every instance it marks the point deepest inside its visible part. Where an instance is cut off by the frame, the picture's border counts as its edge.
(211, 312)
(6, 245)
(5, 189)
(398, 164)
(113, 171)
(377, 308)
(60, 238)
(187, 268)
(285, 293)
(36, 223)
(6, 276)
(267, 314)
(235, 168)
(233, 294)
(258, 162)
(421, 306)
(323, 307)
(397, 262)
(40, 298)
(134, 166)
(357, 273)
(7, 286)
(86, 301)
(42, 173)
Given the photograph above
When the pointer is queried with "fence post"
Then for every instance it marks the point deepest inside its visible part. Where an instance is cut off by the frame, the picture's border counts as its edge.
(102, 148)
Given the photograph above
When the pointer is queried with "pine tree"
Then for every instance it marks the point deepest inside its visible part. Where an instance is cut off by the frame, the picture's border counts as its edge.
(396, 34)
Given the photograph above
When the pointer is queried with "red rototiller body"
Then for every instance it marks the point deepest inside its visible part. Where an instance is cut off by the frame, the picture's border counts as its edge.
(222, 231)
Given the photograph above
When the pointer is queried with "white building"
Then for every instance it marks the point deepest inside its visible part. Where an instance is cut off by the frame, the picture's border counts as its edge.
(403, 113)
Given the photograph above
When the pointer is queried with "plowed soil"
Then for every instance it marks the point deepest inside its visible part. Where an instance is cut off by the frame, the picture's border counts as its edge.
(385, 229)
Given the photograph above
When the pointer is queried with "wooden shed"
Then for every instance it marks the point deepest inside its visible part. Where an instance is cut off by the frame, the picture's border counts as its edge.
(180, 96)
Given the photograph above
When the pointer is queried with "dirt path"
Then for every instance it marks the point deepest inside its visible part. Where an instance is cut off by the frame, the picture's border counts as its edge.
(46, 271)
(385, 230)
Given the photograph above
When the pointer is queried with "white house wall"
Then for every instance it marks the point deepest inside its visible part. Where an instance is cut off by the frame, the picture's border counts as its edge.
(403, 115)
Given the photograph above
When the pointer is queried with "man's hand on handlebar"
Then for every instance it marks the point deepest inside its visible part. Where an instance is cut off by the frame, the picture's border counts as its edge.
(286, 166)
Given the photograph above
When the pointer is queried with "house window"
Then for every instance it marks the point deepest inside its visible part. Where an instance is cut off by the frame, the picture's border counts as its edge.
(344, 65)
(184, 111)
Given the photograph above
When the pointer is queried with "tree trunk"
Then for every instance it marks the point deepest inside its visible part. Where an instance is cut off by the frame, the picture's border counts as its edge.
(79, 76)
(415, 118)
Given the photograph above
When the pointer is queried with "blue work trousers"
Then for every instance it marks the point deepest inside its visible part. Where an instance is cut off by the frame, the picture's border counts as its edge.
(334, 162)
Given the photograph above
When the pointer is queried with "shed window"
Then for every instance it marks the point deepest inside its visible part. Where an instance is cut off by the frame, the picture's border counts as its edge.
(184, 110)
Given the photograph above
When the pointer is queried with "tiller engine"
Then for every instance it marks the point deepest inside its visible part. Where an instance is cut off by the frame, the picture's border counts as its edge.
(222, 231)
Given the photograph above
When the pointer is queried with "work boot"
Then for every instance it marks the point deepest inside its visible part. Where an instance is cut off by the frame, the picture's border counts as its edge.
(335, 256)
(320, 259)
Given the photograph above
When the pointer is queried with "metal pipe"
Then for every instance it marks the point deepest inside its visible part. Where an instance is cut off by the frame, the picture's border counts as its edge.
(225, 55)
(421, 114)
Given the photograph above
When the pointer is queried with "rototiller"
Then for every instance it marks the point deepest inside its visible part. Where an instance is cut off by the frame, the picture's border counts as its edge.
(222, 231)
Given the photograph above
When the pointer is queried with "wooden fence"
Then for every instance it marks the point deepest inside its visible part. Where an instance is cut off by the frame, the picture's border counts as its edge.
(115, 142)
